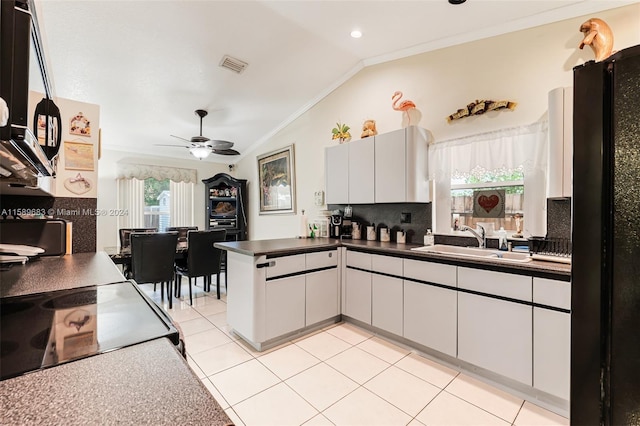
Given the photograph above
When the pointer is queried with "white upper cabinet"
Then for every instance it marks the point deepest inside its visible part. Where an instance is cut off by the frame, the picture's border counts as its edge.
(386, 168)
(336, 172)
(401, 159)
(361, 172)
(560, 142)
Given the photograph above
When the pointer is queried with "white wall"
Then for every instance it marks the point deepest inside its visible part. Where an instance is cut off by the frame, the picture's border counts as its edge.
(522, 67)
(107, 193)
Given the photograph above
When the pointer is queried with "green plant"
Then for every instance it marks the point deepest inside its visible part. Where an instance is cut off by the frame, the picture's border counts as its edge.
(341, 132)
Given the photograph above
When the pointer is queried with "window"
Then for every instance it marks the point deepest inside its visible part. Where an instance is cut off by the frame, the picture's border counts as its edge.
(463, 186)
(157, 202)
(155, 196)
(512, 159)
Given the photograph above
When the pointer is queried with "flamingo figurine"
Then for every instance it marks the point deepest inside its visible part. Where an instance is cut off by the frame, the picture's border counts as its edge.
(410, 114)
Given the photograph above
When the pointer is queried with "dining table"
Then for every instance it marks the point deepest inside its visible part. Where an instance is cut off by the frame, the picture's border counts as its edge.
(122, 255)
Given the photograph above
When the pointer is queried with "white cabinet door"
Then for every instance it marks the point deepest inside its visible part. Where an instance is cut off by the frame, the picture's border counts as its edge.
(430, 316)
(496, 335)
(552, 337)
(551, 351)
(401, 169)
(387, 303)
(336, 174)
(358, 295)
(322, 296)
(390, 165)
(418, 189)
(361, 174)
(284, 305)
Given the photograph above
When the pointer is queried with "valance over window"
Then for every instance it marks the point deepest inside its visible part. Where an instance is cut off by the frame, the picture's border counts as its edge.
(143, 171)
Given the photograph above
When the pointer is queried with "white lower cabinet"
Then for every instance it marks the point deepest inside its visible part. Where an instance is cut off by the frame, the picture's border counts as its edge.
(431, 316)
(431, 312)
(552, 337)
(496, 334)
(322, 296)
(386, 293)
(387, 303)
(284, 305)
(551, 351)
(358, 295)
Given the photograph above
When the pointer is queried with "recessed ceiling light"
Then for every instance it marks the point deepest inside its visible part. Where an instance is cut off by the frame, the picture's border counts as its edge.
(457, 1)
(356, 33)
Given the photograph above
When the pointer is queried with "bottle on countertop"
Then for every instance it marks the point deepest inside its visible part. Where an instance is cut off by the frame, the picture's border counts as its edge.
(502, 239)
(429, 239)
(304, 227)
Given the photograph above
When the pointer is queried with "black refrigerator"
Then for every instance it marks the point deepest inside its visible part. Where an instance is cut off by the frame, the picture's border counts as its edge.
(605, 276)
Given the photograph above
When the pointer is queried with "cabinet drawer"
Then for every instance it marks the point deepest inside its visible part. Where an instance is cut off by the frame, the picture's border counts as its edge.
(386, 264)
(552, 293)
(321, 259)
(359, 260)
(430, 272)
(286, 265)
(495, 283)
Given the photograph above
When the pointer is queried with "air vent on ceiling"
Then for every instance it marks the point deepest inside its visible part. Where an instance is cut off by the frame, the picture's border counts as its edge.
(233, 64)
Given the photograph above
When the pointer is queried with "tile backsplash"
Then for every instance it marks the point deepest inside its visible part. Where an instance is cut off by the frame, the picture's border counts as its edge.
(390, 215)
(559, 218)
(70, 209)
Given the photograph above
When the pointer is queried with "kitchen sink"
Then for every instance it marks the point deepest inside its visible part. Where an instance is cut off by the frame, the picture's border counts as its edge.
(480, 253)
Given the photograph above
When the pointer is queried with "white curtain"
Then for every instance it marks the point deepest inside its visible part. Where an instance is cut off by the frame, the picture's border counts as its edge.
(131, 198)
(523, 147)
(181, 206)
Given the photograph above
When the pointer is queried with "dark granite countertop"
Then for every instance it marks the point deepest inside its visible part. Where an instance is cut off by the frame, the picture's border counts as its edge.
(149, 383)
(287, 246)
(59, 273)
(280, 246)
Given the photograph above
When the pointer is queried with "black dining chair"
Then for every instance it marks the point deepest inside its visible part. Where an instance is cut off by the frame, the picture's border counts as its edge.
(203, 260)
(125, 234)
(182, 232)
(125, 243)
(152, 260)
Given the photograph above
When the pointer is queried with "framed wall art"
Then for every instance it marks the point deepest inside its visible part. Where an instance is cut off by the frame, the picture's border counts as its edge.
(78, 156)
(80, 125)
(276, 175)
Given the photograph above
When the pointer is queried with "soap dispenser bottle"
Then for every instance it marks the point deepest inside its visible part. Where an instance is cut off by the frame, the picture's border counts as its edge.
(428, 238)
(502, 239)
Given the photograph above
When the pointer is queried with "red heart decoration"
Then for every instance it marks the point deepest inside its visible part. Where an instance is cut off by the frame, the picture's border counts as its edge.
(488, 203)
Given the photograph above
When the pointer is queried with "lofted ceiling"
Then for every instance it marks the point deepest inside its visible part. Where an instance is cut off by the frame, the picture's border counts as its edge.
(151, 64)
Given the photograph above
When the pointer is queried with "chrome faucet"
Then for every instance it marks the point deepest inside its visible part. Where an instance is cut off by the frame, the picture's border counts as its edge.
(481, 237)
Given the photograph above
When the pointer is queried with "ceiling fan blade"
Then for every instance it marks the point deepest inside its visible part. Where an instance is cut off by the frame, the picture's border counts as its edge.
(180, 137)
(177, 146)
(226, 152)
(219, 144)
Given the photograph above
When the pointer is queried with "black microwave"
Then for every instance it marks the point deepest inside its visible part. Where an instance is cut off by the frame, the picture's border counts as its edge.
(19, 37)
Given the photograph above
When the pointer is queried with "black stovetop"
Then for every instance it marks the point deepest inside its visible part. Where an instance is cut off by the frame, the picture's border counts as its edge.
(46, 329)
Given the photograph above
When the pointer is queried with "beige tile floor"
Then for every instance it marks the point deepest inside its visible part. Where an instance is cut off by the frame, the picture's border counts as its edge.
(341, 375)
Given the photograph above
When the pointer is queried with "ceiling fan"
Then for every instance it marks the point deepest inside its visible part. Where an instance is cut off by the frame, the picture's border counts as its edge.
(201, 146)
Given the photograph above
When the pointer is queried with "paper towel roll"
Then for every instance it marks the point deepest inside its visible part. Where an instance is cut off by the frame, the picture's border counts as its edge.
(304, 226)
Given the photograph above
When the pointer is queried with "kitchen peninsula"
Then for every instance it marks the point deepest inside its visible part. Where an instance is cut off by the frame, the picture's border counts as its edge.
(141, 383)
(445, 306)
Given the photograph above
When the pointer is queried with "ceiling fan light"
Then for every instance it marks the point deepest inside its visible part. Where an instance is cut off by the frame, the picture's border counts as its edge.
(200, 152)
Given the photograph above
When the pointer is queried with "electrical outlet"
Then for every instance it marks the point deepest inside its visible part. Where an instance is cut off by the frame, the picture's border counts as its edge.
(405, 217)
